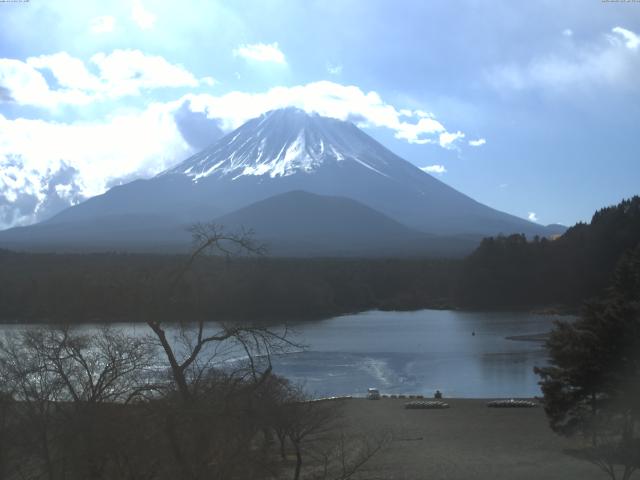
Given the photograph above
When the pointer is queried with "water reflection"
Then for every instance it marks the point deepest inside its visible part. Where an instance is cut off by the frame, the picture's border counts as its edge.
(419, 352)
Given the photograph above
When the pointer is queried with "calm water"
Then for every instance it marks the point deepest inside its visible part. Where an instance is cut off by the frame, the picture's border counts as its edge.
(419, 352)
(413, 353)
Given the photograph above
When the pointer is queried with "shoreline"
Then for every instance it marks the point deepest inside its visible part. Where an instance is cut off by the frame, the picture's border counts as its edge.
(468, 440)
(531, 337)
(268, 320)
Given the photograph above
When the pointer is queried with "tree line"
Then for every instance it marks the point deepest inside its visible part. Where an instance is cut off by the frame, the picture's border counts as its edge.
(504, 272)
(121, 287)
(512, 272)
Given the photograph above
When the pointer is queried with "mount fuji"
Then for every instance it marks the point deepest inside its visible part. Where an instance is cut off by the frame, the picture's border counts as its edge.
(364, 195)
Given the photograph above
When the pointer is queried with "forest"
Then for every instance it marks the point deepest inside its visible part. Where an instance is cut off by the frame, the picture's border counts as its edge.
(512, 272)
(122, 287)
(504, 272)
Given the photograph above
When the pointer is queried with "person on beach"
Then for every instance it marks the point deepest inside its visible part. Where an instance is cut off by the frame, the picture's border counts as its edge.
(437, 395)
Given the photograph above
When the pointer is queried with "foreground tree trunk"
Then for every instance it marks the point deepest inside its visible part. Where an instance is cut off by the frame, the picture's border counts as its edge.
(296, 474)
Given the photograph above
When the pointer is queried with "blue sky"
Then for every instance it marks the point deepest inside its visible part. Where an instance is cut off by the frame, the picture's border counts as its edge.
(529, 107)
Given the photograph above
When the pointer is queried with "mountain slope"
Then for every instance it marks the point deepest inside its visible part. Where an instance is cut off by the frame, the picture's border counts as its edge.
(288, 150)
(278, 152)
(121, 232)
(290, 224)
(301, 223)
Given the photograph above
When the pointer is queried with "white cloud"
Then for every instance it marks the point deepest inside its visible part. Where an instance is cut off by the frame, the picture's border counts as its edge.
(261, 52)
(447, 139)
(567, 32)
(68, 71)
(439, 169)
(27, 86)
(104, 24)
(120, 73)
(532, 216)
(411, 132)
(329, 99)
(143, 17)
(611, 61)
(126, 72)
(477, 143)
(422, 114)
(632, 40)
(334, 69)
(135, 144)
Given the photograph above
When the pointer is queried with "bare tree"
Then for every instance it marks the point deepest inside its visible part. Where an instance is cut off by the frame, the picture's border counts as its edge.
(25, 374)
(108, 367)
(68, 385)
(345, 455)
(304, 421)
(217, 370)
(7, 406)
(195, 338)
(324, 447)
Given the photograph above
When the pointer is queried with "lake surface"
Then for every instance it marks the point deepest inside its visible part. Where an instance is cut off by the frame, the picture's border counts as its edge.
(412, 353)
(419, 352)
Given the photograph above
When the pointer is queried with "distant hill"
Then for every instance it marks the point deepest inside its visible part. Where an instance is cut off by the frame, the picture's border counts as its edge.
(304, 224)
(300, 223)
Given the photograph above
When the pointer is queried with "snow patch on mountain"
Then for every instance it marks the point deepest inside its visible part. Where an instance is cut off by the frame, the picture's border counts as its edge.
(282, 143)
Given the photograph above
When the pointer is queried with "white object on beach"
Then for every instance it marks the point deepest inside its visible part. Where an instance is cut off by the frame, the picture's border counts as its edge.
(373, 394)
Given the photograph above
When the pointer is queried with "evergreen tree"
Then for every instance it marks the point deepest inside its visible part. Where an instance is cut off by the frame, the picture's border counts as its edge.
(592, 386)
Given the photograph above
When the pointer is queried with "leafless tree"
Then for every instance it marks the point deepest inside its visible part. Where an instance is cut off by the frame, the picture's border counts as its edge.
(316, 431)
(218, 371)
(345, 455)
(198, 340)
(64, 383)
(25, 375)
(305, 421)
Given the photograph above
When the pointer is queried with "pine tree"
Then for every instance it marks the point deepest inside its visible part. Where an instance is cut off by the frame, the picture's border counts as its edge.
(592, 386)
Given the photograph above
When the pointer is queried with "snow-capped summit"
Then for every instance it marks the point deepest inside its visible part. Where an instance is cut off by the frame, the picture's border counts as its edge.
(283, 142)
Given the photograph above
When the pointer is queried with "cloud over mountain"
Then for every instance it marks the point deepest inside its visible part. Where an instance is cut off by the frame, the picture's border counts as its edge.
(140, 142)
(34, 153)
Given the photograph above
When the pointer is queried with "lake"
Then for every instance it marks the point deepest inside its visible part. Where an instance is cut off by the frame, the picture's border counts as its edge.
(412, 353)
(419, 352)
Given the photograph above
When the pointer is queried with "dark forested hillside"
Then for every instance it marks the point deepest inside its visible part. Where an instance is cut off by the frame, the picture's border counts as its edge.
(510, 272)
(111, 287)
(503, 273)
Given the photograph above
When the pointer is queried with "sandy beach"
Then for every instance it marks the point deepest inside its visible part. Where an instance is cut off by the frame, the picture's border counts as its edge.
(466, 441)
